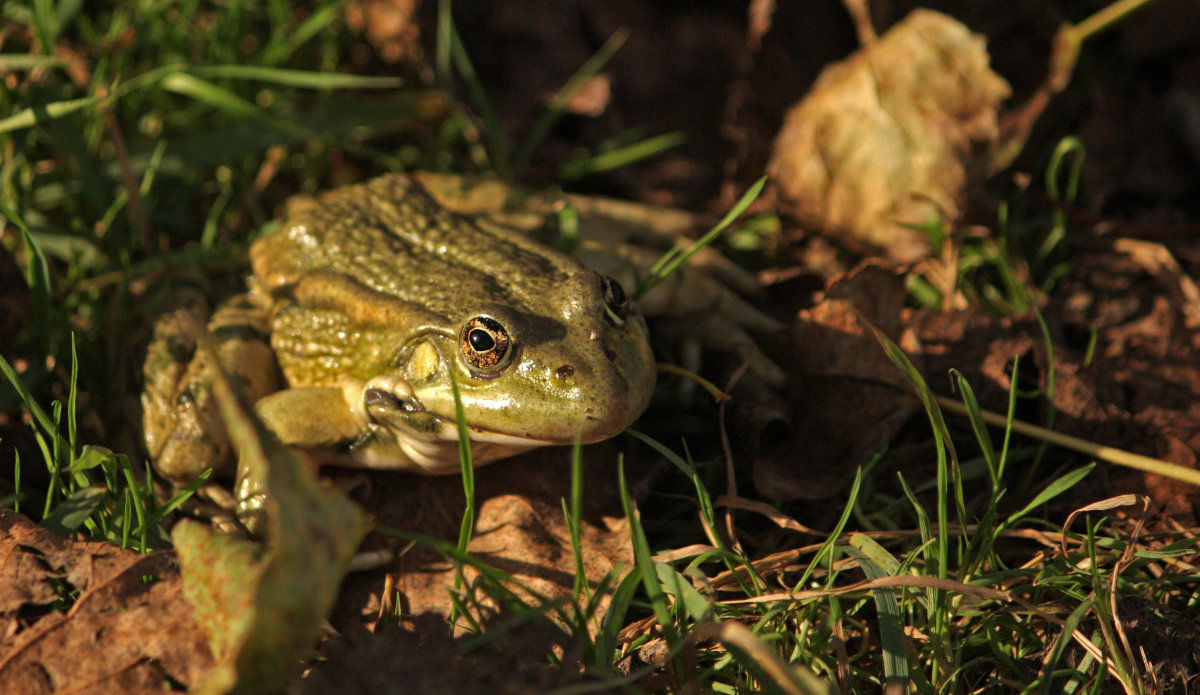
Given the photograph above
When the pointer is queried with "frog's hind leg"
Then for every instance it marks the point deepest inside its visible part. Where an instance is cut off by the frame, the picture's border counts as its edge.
(183, 428)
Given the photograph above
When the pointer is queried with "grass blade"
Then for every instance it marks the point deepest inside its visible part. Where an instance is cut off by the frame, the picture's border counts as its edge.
(451, 51)
(70, 513)
(673, 259)
(1054, 489)
(467, 527)
(305, 79)
(39, 415)
(644, 563)
(48, 112)
(37, 276)
(621, 156)
(25, 61)
(227, 102)
(556, 109)
(574, 516)
(891, 622)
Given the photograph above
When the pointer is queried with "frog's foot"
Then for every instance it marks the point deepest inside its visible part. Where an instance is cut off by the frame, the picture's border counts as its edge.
(697, 313)
(311, 418)
(251, 498)
(251, 504)
(695, 305)
(184, 432)
(687, 340)
(405, 435)
(358, 418)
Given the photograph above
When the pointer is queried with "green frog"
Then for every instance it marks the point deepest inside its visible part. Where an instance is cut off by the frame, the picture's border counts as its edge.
(369, 302)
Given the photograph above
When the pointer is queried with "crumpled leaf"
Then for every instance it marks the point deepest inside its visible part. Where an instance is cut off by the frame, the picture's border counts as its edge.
(519, 529)
(892, 136)
(262, 606)
(128, 628)
(852, 400)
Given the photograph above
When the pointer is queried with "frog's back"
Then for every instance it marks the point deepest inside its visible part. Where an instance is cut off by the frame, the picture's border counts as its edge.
(390, 235)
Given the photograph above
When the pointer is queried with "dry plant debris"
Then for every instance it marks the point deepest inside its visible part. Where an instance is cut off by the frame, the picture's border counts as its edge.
(92, 618)
(520, 529)
(848, 400)
(893, 137)
(263, 606)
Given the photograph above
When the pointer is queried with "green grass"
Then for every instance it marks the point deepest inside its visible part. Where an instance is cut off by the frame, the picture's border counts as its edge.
(957, 592)
(91, 490)
(145, 144)
(1008, 271)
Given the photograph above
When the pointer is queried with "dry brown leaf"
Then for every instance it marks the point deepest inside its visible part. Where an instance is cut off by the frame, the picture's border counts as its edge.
(892, 136)
(1138, 390)
(389, 26)
(263, 608)
(1180, 289)
(519, 529)
(128, 631)
(851, 398)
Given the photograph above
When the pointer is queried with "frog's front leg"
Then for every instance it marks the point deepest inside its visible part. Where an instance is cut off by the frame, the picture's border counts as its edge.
(309, 417)
(366, 421)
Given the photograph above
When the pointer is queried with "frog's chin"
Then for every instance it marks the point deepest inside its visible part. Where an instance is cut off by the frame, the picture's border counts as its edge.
(435, 451)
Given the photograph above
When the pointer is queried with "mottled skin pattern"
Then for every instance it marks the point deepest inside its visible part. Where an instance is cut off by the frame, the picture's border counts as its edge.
(371, 297)
(362, 278)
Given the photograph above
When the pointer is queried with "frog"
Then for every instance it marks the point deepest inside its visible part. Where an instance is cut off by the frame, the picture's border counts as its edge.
(371, 305)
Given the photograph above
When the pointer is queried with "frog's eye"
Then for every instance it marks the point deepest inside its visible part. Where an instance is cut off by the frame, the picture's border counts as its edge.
(485, 344)
(616, 302)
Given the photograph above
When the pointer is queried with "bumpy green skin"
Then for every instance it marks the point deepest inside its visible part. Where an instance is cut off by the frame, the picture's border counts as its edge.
(363, 294)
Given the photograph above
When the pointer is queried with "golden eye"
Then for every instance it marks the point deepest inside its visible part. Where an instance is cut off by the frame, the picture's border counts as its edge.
(616, 302)
(485, 344)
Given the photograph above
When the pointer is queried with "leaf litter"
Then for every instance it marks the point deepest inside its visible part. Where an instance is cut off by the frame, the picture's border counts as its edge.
(1124, 338)
(91, 617)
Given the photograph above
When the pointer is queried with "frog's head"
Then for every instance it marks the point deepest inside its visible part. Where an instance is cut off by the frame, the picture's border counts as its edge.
(582, 369)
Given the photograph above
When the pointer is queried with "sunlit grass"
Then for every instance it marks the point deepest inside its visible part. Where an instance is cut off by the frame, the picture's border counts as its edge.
(134, 165)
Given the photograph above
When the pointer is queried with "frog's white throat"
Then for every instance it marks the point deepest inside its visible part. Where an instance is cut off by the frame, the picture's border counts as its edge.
(436, 452)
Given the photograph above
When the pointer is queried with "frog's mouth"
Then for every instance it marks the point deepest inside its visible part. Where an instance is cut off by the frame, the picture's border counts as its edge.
(434, 450)
(403, 434)
(487, 445)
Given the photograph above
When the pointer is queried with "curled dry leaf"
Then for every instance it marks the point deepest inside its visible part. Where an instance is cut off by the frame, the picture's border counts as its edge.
(892, 136)
(128, 628)
(1125, 373)
(263, 607)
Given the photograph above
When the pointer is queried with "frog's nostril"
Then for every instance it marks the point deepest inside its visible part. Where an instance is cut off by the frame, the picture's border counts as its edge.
(612, 356)
(564, 372)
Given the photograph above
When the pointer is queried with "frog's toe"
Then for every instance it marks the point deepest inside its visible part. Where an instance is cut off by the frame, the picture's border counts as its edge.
(252, 514)
(718, 334)
(251, 506)
(168, 358)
